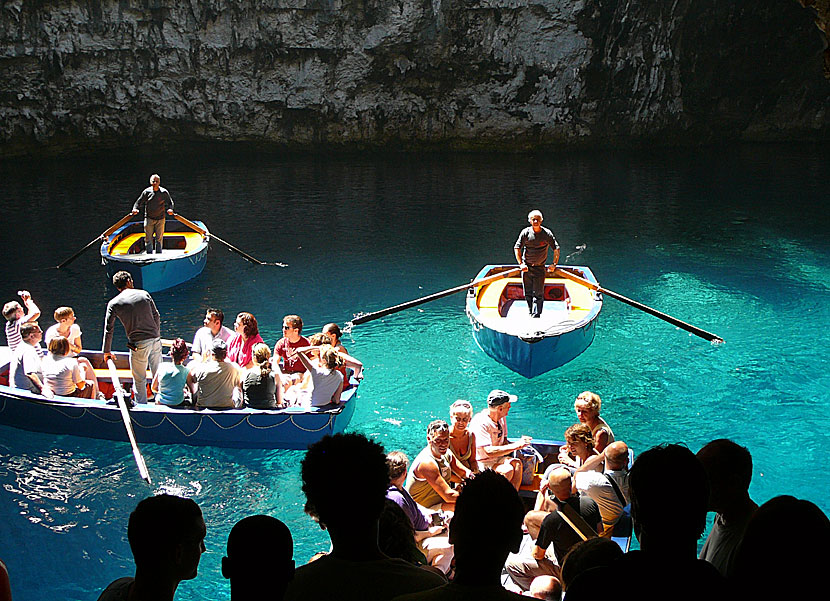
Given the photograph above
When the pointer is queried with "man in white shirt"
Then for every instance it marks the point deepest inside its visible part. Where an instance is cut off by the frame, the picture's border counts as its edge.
(492, 447)
(212, 330)
(25, 371)
(608, 488)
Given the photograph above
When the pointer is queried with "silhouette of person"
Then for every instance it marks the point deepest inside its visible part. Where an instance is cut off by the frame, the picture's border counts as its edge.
(669, 495)
(5, 587)
(486, 527)
(345, 478)
(729, 467)
(785, 543)
(260, 559)
(167, 539)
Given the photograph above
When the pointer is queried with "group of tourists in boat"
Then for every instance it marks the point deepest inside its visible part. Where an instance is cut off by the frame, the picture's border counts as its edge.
(223, 369)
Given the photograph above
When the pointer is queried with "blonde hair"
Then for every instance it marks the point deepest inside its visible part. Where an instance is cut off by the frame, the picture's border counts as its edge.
(63, 313)
(262, 357)
(591, 399)
(461, 406)
(330, 357)
(581, 433)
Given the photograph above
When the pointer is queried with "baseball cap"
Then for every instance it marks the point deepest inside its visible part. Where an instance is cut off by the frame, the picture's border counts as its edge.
(500, 397)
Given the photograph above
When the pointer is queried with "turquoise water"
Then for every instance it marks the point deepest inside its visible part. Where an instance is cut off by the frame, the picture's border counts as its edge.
(734, 241)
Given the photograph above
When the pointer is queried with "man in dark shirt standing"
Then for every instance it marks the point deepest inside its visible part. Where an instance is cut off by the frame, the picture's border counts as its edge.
(140, 318)
(155, 200)
(531, 254)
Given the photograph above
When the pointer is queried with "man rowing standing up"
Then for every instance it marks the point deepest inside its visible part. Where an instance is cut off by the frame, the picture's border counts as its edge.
(140, 318)
(155, 200)
(531, 254)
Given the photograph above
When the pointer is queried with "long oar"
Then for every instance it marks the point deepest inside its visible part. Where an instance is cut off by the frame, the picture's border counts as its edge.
(128, 424)
(425, 299)
(672, 320)
(102, 236)
(230, 246)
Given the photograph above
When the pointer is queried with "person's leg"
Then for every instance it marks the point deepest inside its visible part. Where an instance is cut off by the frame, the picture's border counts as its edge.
(533, 522)
(538, 288)
(523, 569)
(138, 367)
(89, 374)
(159, 231)
(148, 235)
(527, 285)
(511, 469)
(439, 552)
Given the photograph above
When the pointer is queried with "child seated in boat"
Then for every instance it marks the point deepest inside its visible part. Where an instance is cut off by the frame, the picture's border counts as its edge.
(260, 389)
(16, 317)
(66, 327)
(62, 374)
(171, 378)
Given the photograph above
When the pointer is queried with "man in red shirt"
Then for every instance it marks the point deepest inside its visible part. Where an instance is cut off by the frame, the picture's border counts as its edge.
(286, 349)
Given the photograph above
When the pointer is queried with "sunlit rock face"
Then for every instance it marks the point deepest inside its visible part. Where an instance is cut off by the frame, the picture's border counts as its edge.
(495, 74)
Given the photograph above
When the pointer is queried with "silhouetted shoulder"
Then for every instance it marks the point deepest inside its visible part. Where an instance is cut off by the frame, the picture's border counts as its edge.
(456, 592)
(118, 590)
(379, 580)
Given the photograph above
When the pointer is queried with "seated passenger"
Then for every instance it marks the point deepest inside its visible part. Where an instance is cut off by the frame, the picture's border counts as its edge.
(215, 383)
(430, 475)
(15, 318)
(259, 384)
(493, 449)
(171, 378)
(240, 348)
(587, 406)
(462, 441)
(62, 374)
(213, 329)
(67, 327)
(326, 383)
(432, 540)
(25, 369)
(286, 349)
(609, 486)
(579, 447)
(333, 331)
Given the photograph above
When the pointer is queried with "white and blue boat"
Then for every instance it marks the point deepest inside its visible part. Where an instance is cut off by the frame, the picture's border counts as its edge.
(183, 255)
(504, 329)
(292, 428)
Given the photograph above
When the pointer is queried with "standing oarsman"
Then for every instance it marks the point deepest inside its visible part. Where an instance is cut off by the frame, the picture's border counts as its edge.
(155, 200)
(531, 254)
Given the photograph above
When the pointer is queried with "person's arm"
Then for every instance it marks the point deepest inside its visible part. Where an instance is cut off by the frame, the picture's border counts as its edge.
(540, 496)
(156, 316)
(432, 531)
(458, 468)
(500, 450)
(601, 439)
(353, 363)
(428, 470)
(78, 377)
(303, 359)
(517, 249)
(168, 201)
(473, 461)
(109, 323)
(140, 202)
(32, 311)
(191, 382)
(154, 385)
(277, 375)
(335, 398)
(75, 345)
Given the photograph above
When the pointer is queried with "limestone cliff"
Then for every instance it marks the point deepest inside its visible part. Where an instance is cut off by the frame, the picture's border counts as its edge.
(502, 74)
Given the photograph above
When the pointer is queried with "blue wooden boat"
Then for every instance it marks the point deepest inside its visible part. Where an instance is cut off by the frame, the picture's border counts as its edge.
(293, 428)
(504, 329)
(183, 256)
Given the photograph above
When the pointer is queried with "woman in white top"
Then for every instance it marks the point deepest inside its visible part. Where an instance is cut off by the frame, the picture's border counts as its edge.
(66, 327)
(62, 373)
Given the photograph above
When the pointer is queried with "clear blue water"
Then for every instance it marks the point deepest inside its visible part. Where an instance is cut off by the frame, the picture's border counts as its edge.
(735, 241)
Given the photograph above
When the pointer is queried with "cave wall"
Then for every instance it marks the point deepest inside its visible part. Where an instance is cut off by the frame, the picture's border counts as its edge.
(490, 74)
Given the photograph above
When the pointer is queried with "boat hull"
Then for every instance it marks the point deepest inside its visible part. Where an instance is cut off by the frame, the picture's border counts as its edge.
(293, 428)
(528, 346)
(155, 272)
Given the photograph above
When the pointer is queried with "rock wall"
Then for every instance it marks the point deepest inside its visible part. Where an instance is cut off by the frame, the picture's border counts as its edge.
(495, 74)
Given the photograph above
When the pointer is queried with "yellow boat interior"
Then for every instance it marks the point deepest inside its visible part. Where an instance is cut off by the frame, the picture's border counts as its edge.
(131, 244)
(495, 300)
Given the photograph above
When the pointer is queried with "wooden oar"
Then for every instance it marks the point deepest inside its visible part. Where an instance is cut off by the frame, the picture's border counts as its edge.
(672, 320)
(128, 424)
(230, 246)
(425, 299)
(102, 236)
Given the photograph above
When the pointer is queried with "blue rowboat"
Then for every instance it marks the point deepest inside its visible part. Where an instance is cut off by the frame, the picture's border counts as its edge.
(183, 256)
(504, 329)
(293, 428)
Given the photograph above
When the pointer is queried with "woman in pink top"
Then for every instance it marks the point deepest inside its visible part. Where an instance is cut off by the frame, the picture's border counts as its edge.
(240, 347)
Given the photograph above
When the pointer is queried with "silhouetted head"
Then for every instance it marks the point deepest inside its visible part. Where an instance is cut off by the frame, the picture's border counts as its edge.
(167, 537)
(668, 487)
(259, 561)
(396, 535)
(729, 468)
(337, 494)
(487, 524)
(587, 554)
